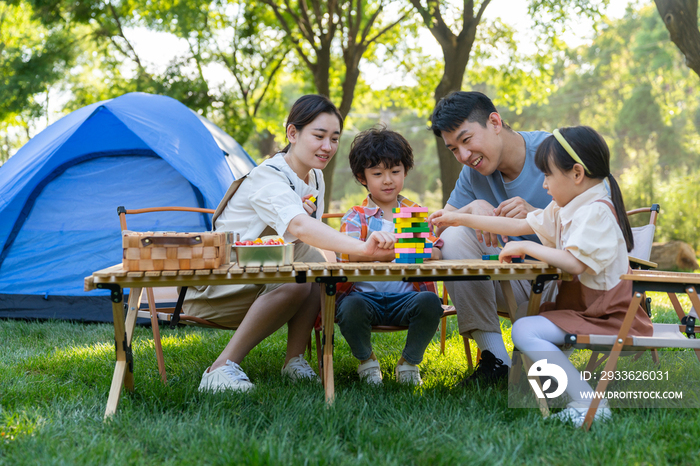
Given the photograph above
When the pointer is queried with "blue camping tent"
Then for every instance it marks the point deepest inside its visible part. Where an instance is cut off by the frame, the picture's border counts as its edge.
(60, 192)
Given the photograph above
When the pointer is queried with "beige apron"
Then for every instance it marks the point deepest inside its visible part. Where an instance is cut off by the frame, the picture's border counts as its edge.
(582, 310)
(227, 305)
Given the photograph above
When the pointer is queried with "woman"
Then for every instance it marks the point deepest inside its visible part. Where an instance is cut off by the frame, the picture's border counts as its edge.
(274, 199)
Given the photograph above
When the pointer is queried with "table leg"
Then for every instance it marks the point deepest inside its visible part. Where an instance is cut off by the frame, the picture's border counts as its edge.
(693, 296)
(120, 367)
(541, 402)
(509, 296)
(533, 308)
(130, 324)
(613, 357)
(328, 321)
(123, 333)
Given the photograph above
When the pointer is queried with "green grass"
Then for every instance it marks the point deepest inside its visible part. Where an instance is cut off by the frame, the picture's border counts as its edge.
(54, 379)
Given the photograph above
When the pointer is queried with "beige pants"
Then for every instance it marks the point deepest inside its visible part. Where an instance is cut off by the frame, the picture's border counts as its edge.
(478, 302)
(227, 305)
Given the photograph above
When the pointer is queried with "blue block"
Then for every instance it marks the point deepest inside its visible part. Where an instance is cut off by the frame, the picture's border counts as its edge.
(413, 255)
(517, 260)
(405, 261)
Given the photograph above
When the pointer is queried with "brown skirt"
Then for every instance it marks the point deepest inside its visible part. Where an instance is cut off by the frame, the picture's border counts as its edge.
(583, 310)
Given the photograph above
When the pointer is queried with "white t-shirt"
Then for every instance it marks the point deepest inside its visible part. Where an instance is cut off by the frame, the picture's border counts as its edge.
(385, 287)
(588, 230)
(265, 198)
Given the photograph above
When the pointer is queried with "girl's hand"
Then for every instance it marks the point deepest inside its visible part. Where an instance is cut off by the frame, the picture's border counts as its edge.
(378, 243)
(514, 249)
(442, 218)
(308, 204)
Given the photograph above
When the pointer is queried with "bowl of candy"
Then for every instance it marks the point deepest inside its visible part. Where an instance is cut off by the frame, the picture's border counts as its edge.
(265, 251)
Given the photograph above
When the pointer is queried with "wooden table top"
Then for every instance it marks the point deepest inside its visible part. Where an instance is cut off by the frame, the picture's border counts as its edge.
(662, 276)
(301, 272)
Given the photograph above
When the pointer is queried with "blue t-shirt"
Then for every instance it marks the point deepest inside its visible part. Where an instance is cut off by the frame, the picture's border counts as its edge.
(472, 185)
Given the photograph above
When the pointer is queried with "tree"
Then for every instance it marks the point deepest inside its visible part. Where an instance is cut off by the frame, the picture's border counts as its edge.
(32, 59)
(681, 20)
(313, 29)
(457, 48)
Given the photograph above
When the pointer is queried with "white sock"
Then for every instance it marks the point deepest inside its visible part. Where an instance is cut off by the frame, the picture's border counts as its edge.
(492, 341)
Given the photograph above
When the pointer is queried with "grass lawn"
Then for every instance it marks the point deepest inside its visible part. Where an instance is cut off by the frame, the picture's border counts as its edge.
(54, 379)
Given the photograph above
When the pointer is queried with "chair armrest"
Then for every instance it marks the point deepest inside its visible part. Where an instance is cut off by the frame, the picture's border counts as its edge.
(636, 263)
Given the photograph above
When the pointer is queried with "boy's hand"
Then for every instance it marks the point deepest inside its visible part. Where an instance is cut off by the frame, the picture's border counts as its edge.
(308, 203)
(514, 249)
(378, 243)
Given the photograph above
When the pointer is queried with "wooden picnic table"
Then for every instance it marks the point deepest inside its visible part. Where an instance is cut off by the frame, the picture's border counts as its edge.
(327, 274)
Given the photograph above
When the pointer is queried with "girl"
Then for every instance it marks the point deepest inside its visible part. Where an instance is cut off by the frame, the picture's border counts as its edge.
(274, 199)
(584, 231)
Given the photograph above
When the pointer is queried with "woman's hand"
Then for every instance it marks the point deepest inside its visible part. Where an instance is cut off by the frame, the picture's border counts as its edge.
(378, 244)
(308, 204)
(515, 249)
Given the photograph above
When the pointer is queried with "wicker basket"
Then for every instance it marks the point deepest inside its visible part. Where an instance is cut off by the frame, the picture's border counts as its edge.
(147, 251)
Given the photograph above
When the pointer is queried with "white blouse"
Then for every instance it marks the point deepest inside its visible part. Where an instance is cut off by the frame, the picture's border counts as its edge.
(265, 198)
(588, 230)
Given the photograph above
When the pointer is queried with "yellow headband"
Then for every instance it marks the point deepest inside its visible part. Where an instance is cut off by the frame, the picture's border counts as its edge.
(569, 149)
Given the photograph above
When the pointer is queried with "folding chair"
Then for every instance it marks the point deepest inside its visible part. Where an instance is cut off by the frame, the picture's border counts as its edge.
(664, 336)
(639, 260)
(643, 238)
(448, 311)
(165, 314)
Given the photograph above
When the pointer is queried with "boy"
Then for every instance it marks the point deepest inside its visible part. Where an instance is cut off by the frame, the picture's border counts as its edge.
(380, 160)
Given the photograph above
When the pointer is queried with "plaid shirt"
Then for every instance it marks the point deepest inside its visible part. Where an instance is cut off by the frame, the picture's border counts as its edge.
(361, 221)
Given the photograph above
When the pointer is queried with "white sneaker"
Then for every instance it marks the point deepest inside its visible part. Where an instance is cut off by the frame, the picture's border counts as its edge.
(230, 376)
(408, 373)
(298, 369)
(370, 372)
(575, 413)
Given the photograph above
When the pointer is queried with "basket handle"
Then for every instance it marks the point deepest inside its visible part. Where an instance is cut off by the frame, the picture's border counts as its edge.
(171, 240)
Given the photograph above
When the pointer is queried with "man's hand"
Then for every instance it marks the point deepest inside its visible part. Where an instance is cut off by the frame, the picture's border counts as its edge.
(515, 207)
(378, 243)
(481, 207)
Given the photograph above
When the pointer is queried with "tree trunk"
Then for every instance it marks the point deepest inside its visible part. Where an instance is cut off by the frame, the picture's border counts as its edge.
(456, 59)
(681, 20)
(352, 74)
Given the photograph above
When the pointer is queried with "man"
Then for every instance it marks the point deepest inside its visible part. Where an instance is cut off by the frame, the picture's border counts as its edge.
(499, 178)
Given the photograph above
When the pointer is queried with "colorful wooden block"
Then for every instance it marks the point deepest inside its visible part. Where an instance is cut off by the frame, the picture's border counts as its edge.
(412, 235)
(489, 257)
(411, 209)
(424, 229)
(411, 240)
(409, 261)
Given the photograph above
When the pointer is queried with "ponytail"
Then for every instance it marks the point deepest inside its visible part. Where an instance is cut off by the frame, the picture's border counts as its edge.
(585, 146)
(619, 203)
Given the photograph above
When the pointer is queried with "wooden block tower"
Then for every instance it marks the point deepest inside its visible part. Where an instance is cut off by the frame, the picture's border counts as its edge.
(412, 231)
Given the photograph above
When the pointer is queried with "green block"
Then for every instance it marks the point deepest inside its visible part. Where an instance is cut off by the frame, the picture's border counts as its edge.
(424, 229)
(411, 240)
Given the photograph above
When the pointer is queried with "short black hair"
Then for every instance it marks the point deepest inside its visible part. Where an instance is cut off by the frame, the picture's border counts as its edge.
(377, 146)
(460, 106)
